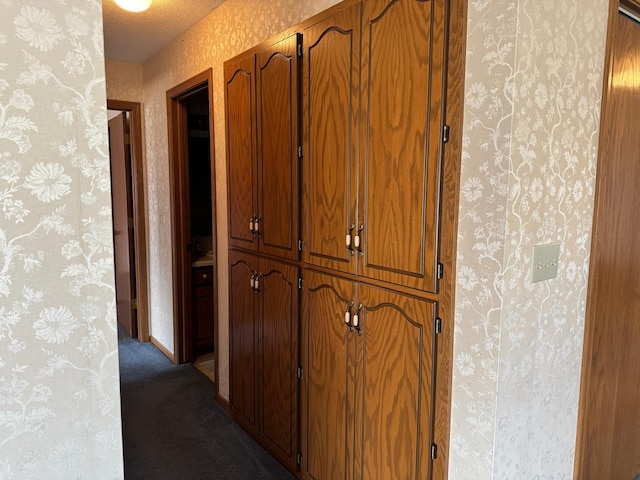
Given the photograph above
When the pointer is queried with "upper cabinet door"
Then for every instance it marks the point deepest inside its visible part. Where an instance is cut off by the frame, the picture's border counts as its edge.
(402, 93)
(239, 79)
(278, 140)
(331, 84)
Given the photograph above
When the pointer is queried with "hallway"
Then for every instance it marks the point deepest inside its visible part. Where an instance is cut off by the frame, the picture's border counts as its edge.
(174, 430)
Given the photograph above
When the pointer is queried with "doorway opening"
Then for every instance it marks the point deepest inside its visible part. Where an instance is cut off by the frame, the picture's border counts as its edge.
(191, 147)
(130, 254)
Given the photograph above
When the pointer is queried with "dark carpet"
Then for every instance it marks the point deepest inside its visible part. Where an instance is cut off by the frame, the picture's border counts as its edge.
(173, 429)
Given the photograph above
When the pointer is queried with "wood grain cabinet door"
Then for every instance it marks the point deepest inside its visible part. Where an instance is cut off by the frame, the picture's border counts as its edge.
(239, 80)
(401, 125)
(243, 331)
(278, 140)
(327, 356)
(278, 359)
(393, 375)
(331, 84)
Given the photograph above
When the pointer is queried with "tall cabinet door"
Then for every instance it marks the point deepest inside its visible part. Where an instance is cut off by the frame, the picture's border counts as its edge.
(278, 139)
(394, 372)
(239, 79)
(327, 355)
(331, 83)
(278, 355)
(402, 55)
(243, 339)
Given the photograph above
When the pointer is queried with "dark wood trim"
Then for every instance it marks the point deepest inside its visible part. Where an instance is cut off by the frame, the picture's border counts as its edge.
(176, 122)
(139, 212)
(162, 348)
(632, 5)
(455, 45)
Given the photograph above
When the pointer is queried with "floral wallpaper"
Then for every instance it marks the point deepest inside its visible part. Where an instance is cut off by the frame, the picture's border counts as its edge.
(59, 390)
(230, 29)
(533, 89)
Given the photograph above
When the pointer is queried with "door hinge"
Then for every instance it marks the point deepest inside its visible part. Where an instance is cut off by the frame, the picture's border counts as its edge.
(127, 139)
(434, 451)
(130, 222)
(445, 133)
(299, 49)
(300, 245)
(440, 271)
(300, 283)
(134, 303)
(437, 326)
(299, 460)
(300, 373)
(299, 151)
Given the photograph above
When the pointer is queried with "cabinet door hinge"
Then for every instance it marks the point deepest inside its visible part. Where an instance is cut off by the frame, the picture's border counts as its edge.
(300, 283)
(434, 451)
(437, 326)
(300, 245)
(299, 151)
(445, 133)
(299, 49)
(299, 460)
(300, 373)
(134, 303)
(440, 271)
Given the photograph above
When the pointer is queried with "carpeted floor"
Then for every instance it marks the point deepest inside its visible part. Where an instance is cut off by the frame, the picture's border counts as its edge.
(174, 430)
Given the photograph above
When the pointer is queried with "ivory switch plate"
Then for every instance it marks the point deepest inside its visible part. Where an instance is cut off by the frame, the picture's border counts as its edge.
(544, 262)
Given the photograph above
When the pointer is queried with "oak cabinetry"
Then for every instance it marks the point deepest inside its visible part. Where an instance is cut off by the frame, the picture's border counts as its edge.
(264, 351)
(372, 123)
(203, 310)
(366, 355)
(371, 91)
(261, 93)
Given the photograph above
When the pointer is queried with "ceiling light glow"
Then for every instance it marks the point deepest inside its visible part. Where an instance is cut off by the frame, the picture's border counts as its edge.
(134, 5)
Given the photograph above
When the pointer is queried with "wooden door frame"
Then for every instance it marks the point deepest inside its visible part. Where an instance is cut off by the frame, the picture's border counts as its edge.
(180, 221)
(593, 341)
(134, 110)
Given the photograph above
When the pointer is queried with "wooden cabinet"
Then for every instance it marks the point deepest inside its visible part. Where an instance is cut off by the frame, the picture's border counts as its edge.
(368, 78)
(264, 351)
(202, 310)
(366, 398)
(373, 124)
(261, 93)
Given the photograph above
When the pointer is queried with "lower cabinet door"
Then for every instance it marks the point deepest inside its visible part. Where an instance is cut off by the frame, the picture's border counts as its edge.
(393, 378)
(327, 353)
(278, 359)
(263, 317)
(366, 389)
(243, 342)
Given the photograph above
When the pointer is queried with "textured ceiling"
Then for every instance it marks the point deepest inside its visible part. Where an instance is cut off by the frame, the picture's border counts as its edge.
(136, 37)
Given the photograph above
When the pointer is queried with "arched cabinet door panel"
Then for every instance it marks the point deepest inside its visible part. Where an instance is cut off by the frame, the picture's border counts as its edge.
(331, 84)
(400, 137)
(278, 139)
(239, 82)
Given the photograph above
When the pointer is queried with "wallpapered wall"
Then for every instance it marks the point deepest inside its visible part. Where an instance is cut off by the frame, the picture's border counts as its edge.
(533, 91)
(124, 81)
(229, 30)
(59, 391)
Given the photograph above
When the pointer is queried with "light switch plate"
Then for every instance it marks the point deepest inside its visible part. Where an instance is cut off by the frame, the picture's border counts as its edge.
(544, 262)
